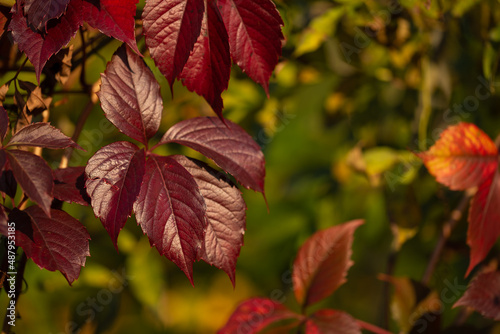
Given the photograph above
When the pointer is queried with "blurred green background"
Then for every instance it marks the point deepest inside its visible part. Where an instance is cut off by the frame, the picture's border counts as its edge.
(361, 85)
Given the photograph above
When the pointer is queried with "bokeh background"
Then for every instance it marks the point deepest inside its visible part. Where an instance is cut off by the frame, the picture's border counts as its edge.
(361, 86)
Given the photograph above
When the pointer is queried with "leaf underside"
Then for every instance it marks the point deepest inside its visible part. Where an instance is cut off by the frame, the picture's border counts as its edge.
(483, 295)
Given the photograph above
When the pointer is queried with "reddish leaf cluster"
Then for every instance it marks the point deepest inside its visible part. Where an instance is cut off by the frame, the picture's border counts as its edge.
(188, 210)
(319, 269)
(191, 40)
(465, 157)
(40, 40)
(51, 238)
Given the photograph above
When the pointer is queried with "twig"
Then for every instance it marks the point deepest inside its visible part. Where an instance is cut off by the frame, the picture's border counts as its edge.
(456, 215)
(76, 134)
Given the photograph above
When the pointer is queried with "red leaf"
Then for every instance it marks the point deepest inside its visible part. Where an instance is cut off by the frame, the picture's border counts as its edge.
(5, 16)
(208, 68)
(3, 221)
(483, 295)
(69, 185)
(225, 213)
(42, 135)
(130, 96)
(115, 18)
(322, 263)
(59, 242)
(255, 37)
(115, 174)
(171, 212)
(39, 12)
(34, 176)
(484, 216)
(40, 48)
(332, 322)
(463, 157)
(228, 145)
(4, 122)
(171, 29)
(255, 314)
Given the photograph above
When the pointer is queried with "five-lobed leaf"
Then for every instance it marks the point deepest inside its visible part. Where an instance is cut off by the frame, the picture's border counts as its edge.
(463, 157)
(171, 29)
(59, 242)
(226, 143)
(255, 37)
(171, 212)
(41, 135)
(225, 213)
(483, 295)
(255, 314)
(207, 70)
(34, 176)
(115, 175)
(331, 322)
(130, 96)
(322, 263)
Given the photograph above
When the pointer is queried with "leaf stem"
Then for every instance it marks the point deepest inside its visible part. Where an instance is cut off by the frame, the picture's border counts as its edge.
(372, 328)
(446, 230)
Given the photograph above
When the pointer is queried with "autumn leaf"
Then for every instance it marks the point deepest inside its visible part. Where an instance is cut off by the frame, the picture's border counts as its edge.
(483, 295)
(322, 263)
(255, 314)
(130, 96)
(463, 157)
(59, 242)
(227, 144)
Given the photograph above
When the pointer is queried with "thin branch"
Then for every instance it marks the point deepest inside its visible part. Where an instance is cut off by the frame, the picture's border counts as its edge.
(448, 227)
(76, 134)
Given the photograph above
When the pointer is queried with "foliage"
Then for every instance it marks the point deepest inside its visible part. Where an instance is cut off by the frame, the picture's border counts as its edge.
(363, 95)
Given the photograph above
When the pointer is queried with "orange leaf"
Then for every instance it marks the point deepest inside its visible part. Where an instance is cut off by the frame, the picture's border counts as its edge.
(463, 157)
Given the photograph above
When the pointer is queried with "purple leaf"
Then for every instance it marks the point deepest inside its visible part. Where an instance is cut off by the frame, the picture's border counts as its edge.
(34, 176)
(228, 145)
(8, 183)
(39, 12)
(322, 263)
(42, 135)
(40, 48)
(115, 175)
(255, 37)
(69, 185)
(171, 29)
(115, 18)
(332, 322)
(130, 96)
(4, 122)
(208, 68)
(255, 315)
(225, 213)
(59, 242)
(483, 295)
(171, 211)
(3, 159)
